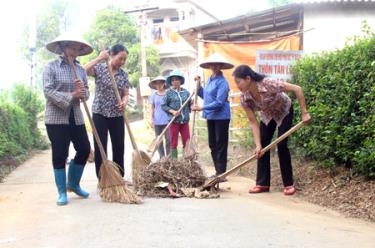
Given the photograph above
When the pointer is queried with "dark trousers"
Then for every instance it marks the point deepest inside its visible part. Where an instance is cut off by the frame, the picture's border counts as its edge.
(158, 130)
(116, 129)
(264, 168)
(61, 135)
(218, 135)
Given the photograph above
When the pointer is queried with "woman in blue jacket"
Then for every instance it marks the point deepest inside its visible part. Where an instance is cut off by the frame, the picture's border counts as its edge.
(216, 110)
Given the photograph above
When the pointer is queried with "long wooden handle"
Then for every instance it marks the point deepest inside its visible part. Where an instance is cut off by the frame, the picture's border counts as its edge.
(160, 137)
(195, 103)
(243, 163)
(95, 132)
(118, 97)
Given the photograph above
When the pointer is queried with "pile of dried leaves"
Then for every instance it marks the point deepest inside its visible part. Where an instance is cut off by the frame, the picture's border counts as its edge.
(179, 174)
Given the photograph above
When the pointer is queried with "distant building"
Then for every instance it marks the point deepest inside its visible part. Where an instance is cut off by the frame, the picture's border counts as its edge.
(331, 22)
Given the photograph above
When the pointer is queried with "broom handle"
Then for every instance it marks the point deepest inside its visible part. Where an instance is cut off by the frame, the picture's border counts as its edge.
(118, 97)
(266, 149)
(195, 103)
(160, 137)
(95, 132)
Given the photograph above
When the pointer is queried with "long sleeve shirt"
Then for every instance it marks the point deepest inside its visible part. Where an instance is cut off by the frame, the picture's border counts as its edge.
(58, 84)
(215, 98)
(174, 99)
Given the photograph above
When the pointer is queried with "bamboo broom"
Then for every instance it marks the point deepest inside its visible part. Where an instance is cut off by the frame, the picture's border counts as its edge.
(111, 186)
(140, 159)
(190, 151)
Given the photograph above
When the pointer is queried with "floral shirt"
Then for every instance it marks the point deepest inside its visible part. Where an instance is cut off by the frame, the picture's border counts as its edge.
(105, 99)
(273, 104)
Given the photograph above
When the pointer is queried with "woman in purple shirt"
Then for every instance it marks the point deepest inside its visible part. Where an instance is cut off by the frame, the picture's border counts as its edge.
(159, 118)
(268, 96)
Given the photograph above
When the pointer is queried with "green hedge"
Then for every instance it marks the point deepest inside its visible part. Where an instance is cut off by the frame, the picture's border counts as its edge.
(19, 111)
(339, 88)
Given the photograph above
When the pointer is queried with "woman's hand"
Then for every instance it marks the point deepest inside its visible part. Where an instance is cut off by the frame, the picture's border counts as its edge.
(152, 124)
(79, 91)
(103, 55)
(196, 108)
(121, 106)
(258, 152)
(174, 112)
(197, 78)
(306, 118)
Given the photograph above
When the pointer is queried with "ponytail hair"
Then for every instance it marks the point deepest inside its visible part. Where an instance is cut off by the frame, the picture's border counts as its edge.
(242, 71)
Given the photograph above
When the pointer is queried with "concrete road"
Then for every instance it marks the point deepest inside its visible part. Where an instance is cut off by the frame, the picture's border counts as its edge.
(29, 217)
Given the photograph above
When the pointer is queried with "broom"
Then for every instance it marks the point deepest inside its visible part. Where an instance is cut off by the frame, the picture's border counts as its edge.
(140, 159)
(217, 179)
(111, 186)
(190, 151)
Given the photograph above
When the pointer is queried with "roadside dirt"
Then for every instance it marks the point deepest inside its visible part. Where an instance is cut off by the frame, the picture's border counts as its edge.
(352, 195)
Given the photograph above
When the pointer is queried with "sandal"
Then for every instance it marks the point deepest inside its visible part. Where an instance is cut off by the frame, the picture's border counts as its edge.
(289, 190)
(259, 189)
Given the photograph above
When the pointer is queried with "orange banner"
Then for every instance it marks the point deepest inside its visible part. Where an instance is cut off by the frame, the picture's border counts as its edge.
(244, 53)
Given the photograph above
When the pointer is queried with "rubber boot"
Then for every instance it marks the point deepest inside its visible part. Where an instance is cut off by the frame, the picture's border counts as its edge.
(174, 153)
(74, 177)
(60, 180)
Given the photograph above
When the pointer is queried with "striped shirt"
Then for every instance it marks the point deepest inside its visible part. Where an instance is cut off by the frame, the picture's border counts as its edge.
(58, 84)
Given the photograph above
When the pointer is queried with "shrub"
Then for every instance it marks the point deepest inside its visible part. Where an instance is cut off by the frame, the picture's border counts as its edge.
(339, 89)
(19, 110)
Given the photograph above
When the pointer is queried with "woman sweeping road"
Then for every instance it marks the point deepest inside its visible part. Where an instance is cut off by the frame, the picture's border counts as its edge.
(107, 113)
(267, 96)
(63, 116)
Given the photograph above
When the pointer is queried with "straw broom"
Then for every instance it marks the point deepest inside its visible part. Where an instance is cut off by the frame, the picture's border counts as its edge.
(190, 151)
(140, 159)
(111, 186)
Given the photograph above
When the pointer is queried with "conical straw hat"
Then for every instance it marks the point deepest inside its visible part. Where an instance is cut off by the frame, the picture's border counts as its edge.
(216, 58)
(55, 45)
(158, 78)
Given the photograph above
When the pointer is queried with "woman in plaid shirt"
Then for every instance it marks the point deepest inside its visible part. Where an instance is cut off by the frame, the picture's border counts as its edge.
(63, 116)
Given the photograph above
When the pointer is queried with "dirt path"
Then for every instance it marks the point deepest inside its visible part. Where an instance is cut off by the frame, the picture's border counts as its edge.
(29, 217)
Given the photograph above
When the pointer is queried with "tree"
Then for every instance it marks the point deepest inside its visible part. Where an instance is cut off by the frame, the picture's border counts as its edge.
(49, 25)
(112, 26)
(133, 65)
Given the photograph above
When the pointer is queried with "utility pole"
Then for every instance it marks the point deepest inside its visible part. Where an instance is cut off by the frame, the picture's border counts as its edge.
(32, 51)
(141, 24)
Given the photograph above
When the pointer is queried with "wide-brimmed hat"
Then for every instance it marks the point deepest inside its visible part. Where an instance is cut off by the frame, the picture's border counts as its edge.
(175, 73)
(55, 45)
(153, 82)
(216, 58)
